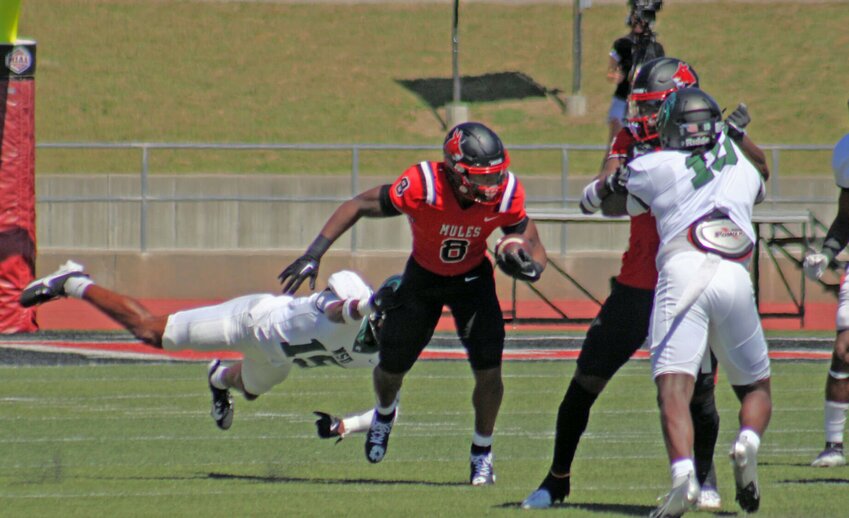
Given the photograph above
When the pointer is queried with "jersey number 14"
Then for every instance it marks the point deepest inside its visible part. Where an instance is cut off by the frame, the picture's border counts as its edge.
(705, 174)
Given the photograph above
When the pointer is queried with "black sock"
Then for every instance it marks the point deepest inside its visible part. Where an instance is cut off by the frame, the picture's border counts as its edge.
(480, 450)
(705, 432)
(385, 418)
(572, 418)
(557, 487)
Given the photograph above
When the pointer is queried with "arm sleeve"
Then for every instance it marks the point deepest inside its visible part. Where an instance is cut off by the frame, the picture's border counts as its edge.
(837, 236)
(386, 206)
(518, 228)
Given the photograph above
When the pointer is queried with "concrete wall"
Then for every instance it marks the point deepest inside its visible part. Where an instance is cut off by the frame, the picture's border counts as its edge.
(281, 225)
(220, 249)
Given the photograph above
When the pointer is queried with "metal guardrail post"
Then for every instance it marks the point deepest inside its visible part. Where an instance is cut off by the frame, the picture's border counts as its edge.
(564, 193)
(774, 176)
(355, 189)
(144, 194)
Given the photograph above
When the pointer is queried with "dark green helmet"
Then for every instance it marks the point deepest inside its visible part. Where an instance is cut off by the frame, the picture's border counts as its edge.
(689, 119)
(367, 342)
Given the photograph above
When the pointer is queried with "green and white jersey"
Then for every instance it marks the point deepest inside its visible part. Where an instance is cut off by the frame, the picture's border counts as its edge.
(679, 188)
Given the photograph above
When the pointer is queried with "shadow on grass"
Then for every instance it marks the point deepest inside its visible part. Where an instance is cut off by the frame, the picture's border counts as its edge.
(843, 481)
(280, 479)
(437, 92)
(621, 509)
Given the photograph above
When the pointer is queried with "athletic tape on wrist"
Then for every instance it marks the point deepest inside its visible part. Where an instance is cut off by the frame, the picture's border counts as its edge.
(347, 316)
(831, 247)
(319, 245)
(365, 307)
(591, 201)
(838, 375)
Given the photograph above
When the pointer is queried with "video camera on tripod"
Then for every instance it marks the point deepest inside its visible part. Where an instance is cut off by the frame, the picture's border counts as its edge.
(645, 47)
(645, 10)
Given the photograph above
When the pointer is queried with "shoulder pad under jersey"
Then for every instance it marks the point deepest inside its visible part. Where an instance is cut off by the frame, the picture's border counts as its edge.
(840, 162)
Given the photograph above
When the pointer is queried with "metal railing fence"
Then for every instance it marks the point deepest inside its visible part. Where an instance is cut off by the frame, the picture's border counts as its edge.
(145, 198)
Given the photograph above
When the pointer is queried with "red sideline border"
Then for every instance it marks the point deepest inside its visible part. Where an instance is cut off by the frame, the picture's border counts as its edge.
(78, 315)
(71, 314)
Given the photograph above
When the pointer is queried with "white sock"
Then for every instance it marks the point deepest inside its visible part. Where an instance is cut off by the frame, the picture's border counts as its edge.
(681, 470)
(750, 436)
(217, 378)
(835, 420)
(483, 441)
(386, 410)
(76, 286)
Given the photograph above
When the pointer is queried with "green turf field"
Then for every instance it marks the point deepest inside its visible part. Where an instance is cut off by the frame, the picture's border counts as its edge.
(199, 71)
(137, 440)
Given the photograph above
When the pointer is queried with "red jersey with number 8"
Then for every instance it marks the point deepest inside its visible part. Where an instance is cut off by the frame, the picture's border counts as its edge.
(447, 238)
(638, 268)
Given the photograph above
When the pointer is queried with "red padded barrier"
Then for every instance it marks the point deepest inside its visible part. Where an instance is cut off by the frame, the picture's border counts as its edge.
(17, 184)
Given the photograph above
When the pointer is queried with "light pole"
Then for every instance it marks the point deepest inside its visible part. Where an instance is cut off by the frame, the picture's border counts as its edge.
(576, 104)
(456, 112)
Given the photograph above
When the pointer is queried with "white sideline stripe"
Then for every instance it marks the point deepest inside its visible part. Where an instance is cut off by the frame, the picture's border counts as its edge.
(320, 489)
(331, 461)
(90, 353)
(409, 430)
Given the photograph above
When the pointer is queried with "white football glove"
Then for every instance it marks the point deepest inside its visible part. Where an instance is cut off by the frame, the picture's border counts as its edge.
(815, 265)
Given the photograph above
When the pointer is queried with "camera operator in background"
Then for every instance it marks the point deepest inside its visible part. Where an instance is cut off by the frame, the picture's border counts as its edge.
(628, 53)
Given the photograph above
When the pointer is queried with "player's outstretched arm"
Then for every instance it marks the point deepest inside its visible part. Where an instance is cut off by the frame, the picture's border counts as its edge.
(836, 240)
(737, 123)
(598, 195)
(538, 254)
(330, 426)
(521, 255)
(306, 267)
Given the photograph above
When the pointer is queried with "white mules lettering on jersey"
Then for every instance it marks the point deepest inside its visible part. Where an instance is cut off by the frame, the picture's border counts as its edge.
(460, 231)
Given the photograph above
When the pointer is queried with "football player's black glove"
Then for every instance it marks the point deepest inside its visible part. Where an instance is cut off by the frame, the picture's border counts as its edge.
(385, 298)
(517, 263)
(304, 267)
(328, 426)
(737, 122)
(616, 182)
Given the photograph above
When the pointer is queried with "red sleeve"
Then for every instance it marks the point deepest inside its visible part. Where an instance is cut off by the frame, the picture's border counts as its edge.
(621, 144)
(408, 192)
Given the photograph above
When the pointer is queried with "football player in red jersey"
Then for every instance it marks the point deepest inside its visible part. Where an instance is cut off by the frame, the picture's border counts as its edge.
(452, 205)
(622, 324)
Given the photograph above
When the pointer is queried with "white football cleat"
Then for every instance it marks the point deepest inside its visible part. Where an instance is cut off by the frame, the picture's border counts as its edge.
(744, 460)
(50, 286)
(709, 499)
(681, 499)
(539, 499)
(830, 457)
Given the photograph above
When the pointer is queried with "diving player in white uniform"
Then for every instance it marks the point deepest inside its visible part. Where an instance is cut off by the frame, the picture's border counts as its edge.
(837, 382)
(272, 332)
(701, 190)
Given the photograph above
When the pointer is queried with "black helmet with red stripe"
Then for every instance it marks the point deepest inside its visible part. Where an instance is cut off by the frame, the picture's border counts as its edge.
(476, 162)
(653, 83)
